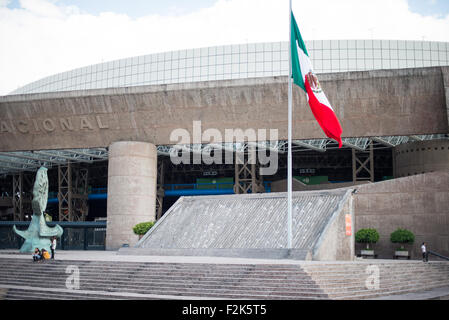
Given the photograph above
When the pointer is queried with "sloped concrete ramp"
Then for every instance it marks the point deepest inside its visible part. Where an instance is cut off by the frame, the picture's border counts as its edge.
(254, 226)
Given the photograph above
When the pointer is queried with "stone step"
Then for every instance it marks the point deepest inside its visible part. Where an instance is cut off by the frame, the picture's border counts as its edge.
(207, 283)
(329, 285)
(393, 263)
(121, 264)
(271, 268)
(85, 270)
(381, 272)
(420, 266)
(186, 282)
(157, 282)
(382, 275)
(219, 294)
(149, 270)
(308, 290)
(183, 282)
(20, 294)
(149, 277)
(298, 273)
(334, 292)
(246, 269)
(375, 294)
(391, 266)
(187, 290)
(210, 281)
(145, 275)
(225, 265)
(385, 291)
(89, 269)
(200, 276)
(416, 264)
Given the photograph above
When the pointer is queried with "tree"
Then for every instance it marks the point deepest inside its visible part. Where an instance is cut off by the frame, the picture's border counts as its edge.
(142, 228)
(367, 236)
(402, 236)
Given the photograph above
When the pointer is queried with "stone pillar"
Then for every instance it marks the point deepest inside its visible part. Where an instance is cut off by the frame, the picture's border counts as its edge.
(132, 174)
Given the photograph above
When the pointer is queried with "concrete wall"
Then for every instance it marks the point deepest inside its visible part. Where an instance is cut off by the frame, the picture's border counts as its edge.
(420, 157)
(419, 203)
(334, 243)
(445, 73)
(369, 103)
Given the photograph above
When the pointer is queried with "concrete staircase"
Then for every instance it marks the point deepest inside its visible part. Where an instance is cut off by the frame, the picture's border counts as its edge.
(23, 279)
(159, 280)
(356, 280)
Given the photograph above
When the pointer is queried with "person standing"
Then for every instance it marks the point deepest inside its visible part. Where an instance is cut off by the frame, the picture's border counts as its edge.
(424, 252)
(53, 247)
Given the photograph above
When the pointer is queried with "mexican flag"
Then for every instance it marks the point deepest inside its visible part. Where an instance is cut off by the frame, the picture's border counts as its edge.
(303, 76)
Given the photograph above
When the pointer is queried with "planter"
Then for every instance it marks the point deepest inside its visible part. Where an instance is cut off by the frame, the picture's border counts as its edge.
(401, 254)
(367, 253)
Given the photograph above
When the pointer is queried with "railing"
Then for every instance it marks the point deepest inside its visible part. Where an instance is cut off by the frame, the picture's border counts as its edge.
(94, 194)
(85, 235)
(175, 190)
(192, 189)
(437, 255)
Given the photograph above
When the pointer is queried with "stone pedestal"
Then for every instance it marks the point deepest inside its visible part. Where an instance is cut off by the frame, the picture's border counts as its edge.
(132, 174)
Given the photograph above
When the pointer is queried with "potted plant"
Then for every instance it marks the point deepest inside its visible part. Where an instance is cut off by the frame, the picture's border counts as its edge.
(141, 228)
(402, 236)
(367, 236)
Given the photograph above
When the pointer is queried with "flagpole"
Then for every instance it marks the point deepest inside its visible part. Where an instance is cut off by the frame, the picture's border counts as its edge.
(289, 159)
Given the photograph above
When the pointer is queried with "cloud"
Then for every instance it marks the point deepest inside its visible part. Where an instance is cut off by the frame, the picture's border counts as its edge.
(4, 3)
(43, 38)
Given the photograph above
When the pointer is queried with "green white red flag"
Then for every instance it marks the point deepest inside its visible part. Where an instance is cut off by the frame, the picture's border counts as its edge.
(304, 77)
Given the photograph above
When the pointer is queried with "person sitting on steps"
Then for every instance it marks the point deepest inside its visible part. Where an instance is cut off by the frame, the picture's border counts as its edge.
(45, 254)
(37, 255)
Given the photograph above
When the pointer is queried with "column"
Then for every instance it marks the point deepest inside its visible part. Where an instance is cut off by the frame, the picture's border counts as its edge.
(132, 173)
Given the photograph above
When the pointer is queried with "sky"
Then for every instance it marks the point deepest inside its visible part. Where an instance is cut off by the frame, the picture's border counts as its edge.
(39, 38)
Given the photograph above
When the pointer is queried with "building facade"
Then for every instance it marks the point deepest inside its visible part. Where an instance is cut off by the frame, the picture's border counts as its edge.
(391, 95)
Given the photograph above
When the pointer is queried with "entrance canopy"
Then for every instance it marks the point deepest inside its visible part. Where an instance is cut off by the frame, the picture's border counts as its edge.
(15, 162)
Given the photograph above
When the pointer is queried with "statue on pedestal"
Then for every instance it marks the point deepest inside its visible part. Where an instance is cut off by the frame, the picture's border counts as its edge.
(39, 234)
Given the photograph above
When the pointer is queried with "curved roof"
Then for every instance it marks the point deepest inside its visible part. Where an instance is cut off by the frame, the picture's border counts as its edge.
(244, 61)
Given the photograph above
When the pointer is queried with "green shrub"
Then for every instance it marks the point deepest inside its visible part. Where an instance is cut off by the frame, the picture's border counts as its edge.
(402, 236)
(367, 236)
(143, 227)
